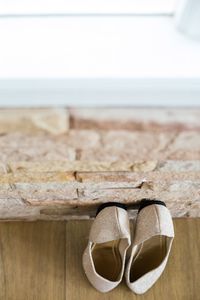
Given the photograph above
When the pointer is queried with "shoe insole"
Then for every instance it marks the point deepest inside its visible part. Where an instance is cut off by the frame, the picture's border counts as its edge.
(149, 256)
(107, 259)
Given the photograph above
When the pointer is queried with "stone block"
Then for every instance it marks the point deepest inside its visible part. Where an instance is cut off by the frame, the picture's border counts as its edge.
(139, 119)
(51, 120)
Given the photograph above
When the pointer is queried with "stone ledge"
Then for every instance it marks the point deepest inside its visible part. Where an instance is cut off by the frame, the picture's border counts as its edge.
(62, 163)
(100, 166)
(50, 190)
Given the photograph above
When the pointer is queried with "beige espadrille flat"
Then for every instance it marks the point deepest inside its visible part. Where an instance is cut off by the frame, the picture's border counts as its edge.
(109, 239)
(153, 237)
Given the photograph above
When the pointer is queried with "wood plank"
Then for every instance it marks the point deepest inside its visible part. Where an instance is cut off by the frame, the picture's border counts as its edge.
(180, 280)
(32, 261)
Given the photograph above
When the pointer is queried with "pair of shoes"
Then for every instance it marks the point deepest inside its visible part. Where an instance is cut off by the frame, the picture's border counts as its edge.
(105, 258)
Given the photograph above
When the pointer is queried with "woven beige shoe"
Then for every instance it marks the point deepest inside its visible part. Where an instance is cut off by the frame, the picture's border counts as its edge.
(154, 233)
(109, 239)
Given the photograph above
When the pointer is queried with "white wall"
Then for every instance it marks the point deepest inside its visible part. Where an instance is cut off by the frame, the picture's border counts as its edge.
(124, 60)
(96, 47)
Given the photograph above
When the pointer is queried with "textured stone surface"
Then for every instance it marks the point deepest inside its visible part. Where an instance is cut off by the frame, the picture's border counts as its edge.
(74, 166)
(156, 119)
(98, 166)
(54, 121)
(18, 146)
(105, 146)
(61, 164)
(126, 145)
(57, 193)
(130, 177)
(185, 146)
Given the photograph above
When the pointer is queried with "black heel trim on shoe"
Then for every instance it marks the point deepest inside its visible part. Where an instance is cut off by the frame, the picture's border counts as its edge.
(109, 204)
(147, 202)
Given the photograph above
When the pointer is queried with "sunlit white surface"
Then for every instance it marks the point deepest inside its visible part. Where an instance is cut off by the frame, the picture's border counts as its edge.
(101, 61)
(90, 47)
(13, 7)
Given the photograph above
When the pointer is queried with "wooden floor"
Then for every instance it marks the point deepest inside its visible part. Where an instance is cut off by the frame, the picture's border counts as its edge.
(42, 261)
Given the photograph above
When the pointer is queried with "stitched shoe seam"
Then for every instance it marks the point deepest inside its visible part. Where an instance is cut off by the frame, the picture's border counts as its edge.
(158, 219)
(117, 217)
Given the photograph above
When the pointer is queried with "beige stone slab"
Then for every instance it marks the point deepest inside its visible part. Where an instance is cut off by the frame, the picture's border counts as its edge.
(76, 194)
(37, 154)
(86, 166)
(132, 177)
(178, 191)
(12, 206)
(144, 119)
(35, 195)
(3, 168)
(52, 120)
(185, 146)
(83, 204)
(174, 166)
(129, 146)
(101, 146)
(84, 139)
(95, 181)
(50, 177)
(65, 196)
(32, 147)
(178, 166)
